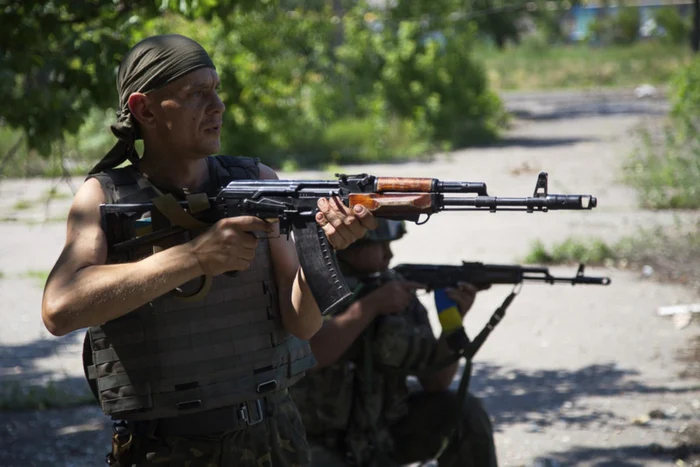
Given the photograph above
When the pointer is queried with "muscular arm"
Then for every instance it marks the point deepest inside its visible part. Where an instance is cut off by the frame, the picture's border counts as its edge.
(83, 291)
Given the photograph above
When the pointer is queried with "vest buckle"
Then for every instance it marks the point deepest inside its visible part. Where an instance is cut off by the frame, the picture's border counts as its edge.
(244, 413)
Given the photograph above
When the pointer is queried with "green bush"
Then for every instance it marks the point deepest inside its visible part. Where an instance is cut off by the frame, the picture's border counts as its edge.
(304, 86)
(676, 28)
(666, 169)
(408, 71)
(297, 95)
(618, 27)
(572, 250)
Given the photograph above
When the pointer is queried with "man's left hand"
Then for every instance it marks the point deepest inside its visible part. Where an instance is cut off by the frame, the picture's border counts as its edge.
(463, 295)
(342, 225)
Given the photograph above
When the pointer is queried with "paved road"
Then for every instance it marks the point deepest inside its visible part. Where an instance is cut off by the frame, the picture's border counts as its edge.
(563, 376)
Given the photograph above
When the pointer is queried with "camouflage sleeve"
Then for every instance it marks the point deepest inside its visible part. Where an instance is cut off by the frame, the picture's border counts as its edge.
(420, 314)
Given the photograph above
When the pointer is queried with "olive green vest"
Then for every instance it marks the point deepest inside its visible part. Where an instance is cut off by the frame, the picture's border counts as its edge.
(175, 356)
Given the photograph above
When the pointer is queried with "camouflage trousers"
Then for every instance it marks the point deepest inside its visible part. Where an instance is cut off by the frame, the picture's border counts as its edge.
(432, 426)
(277, 441)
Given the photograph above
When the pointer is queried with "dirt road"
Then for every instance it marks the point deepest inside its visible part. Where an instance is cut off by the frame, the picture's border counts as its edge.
(570, 376)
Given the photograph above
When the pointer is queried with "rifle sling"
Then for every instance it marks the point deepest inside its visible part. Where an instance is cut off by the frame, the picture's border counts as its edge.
(170, 208)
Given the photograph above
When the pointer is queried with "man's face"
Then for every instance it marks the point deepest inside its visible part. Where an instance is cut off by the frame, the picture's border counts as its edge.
(368, 257)
(188, 114)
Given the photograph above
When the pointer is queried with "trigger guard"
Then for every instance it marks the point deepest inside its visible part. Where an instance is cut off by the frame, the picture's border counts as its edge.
(201, 292)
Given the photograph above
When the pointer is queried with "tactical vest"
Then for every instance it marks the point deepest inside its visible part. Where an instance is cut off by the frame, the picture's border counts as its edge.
(172, 356)
(362, 394)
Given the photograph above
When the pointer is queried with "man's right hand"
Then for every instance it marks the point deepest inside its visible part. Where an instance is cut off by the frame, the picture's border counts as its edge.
(392, 297)
(229, 245)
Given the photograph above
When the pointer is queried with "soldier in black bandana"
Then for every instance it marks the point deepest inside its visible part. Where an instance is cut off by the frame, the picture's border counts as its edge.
(192, 375)
(356, 404)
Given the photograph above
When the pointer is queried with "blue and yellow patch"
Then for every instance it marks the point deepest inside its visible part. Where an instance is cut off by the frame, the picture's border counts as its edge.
(448, 313)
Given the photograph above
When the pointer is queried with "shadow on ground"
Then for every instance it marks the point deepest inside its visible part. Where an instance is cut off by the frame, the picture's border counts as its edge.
(621, 456)
(25, 385)
(80, 435)
(541, 397)
(535, 142)
(46, 416)
(578, 108)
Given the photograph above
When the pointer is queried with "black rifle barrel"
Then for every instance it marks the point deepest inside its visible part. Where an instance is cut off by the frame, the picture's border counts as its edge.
(549, 202)
(462, 187)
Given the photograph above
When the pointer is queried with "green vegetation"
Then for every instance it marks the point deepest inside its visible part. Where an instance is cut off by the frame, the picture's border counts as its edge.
(537, 65)
(39, 276)
(673, 253)
(53, 194)
(313, 82)
(572, 250)
(22, 205)
(17, 396)
(665, 167)
(293, 73)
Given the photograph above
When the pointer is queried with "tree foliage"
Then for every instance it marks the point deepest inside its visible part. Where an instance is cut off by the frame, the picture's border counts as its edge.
(298, 76)
(58, 58)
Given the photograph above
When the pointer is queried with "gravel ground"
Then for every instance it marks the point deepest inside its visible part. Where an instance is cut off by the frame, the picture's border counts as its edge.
(584, 376)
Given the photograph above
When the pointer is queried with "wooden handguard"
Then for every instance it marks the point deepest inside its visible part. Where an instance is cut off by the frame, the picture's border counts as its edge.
(420, 185)
(395, 204)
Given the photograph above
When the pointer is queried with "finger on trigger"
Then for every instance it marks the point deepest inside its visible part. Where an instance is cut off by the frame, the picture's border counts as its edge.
(250, 224)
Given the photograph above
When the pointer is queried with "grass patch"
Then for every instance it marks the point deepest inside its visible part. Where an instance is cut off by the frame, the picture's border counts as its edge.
(665, 170)
(537, 65)
(39, 276)
(22, 205)
(16, 396)
(572, 250)
(665, 167)
(53, 194)
(673, 256)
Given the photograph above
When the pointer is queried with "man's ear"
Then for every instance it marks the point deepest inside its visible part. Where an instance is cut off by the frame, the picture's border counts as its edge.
(140, 109)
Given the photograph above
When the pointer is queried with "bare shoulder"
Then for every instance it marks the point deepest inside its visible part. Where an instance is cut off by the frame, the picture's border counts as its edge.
(266, 173)
(86, 203)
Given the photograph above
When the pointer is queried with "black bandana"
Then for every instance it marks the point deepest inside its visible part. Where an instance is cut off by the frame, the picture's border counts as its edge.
(151, 64)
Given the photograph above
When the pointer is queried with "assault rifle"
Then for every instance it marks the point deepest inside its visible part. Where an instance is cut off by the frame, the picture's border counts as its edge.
(293, 203)
(482, 275)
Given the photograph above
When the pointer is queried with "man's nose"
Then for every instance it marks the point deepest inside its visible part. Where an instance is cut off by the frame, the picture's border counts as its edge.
(217, 105)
